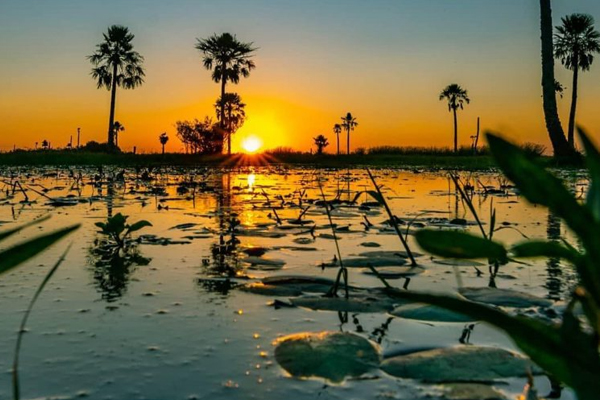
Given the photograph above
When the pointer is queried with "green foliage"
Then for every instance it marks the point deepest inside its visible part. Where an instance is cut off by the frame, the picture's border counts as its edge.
(117, 228)
(567, 351)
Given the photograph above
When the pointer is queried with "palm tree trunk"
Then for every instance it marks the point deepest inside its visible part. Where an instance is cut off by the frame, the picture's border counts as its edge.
(229, 134)
(455, 131)
(348, 141)
(338, 144)
(163, 149)
(223, 83)
(113, 97)
(570, 137)
(555, 131)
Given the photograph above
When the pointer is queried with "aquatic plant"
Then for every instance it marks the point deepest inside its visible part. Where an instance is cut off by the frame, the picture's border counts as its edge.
(569, 350)
(118, 230)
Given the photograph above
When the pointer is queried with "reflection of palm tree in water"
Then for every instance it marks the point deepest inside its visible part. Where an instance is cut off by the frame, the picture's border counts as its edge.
(554, 282)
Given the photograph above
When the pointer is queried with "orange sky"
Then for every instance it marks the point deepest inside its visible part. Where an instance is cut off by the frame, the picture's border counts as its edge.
(386, 63)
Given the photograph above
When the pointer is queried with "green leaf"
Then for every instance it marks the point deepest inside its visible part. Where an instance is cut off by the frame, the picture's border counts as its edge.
(10, 232)
(542, 248)
(541, 187)
(116, 224)
(460, 245)
(12, 257)
(138, 225)
(592, 158)
(542, 342)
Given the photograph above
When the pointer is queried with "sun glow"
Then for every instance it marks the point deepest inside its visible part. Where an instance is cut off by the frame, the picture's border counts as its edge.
(251, 144)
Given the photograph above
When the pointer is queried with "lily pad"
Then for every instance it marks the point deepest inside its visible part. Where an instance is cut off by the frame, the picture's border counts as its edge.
(357, 302)
(471, 391)
(504, 297)
(330, 355)
(460, 364)
(459, 263)
(362, 262)
(396, 272)
(264, 263)
(289, 285)
(427, 312)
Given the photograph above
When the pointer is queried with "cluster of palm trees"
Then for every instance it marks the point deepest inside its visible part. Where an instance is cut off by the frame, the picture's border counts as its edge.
(574, 43)
(117, 64)
(348, 124)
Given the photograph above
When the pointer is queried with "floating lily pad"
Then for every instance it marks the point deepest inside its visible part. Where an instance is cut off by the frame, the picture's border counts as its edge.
(504, 297)
(470, 391)
(427, 312)
(330, 355)
(264, 263)
(388, 254)
(357, 302)
(370, 244)
(459, 263)
(396, 272)
(289, 285)
(459, 364)
(362, 262)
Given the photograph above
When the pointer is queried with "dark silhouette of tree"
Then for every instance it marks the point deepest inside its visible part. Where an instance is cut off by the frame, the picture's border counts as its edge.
(163, 138)
(235, 116)
(117, 127)
(45, 144)
(321, 142)
(559, 142)
(575, 43)
(116, 64)
(348, 123)
(228, 58)
(456, 97)
(203, 137)
(337, 129)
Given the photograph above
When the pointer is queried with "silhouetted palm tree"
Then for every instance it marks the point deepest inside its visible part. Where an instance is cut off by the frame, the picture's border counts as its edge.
(117, 127)
(116, 64)
(228, 58)
(555, 131)
(337, 129)
(575, 43)
(348, 123)
(163, 139)
(45, 144)
(456, 97)
(321, 142)
(234, 115)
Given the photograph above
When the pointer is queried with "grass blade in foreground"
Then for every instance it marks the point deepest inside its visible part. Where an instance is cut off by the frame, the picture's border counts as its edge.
(12, 257)
(453, 244)
(562, 351)
(10, 232)
(15, 375)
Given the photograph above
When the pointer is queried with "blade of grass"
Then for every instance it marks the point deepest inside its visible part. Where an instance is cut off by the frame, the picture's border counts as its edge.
(10, 232)
(392, 219)
(12, 257)
(15, 370)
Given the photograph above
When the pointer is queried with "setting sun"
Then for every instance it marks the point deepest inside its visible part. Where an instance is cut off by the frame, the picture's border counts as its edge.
(251, 144)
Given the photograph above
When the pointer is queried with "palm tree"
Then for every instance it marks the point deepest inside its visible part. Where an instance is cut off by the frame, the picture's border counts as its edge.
(575, 43)
(555, 131)
(116, 64)
(235, 116)
(456, 97)
(228, 58)
(348, 123)
(321, 142)
(163, 139)
(117, 127)
(337, 129)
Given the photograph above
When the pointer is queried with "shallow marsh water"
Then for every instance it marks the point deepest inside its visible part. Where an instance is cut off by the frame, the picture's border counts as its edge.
(176, 328)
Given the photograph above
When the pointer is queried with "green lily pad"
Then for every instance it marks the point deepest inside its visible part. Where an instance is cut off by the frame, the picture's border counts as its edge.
(357, 302)
(427, 312)
(504, 297)
(396, 272)
(459, 364)
(330, 355)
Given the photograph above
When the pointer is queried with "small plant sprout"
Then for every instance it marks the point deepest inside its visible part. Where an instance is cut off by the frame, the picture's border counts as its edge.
(118, 230)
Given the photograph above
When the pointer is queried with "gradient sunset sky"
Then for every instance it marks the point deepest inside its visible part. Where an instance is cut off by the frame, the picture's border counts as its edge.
(385, 61)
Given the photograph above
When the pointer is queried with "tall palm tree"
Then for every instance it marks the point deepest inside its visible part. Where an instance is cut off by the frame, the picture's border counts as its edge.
(228, 58)
(232, 108)
(163, 138)
(337, 129)
(348, 123)
(116, 64)
(575, 43)
(321, 142)
(456, 97)
(555, 131)
(117, 127)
